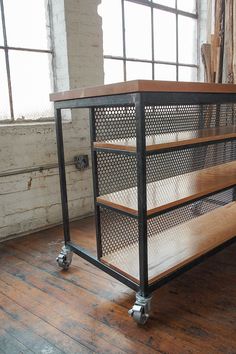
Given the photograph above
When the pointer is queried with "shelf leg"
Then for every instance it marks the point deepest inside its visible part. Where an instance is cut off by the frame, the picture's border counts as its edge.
(142, 194)
(65, 256)
(141, 309)
(95, 183)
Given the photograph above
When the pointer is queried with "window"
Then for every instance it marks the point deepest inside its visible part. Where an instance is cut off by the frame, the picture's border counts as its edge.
(150, 39)
(25, 61)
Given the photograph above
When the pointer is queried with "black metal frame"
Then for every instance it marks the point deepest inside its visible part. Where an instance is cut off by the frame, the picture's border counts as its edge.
(139, 100)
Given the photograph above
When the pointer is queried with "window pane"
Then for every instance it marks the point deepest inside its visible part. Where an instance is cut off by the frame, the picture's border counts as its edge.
(165, 72)
(113, 71)
(31, 84)
(4, 99)
(187, 73)
(138, 31)
(26, 23)
(1, 33)
(187, 40)
(187, 5)
(164, 36)
(112, 27)
(170, 3)
(137, 70)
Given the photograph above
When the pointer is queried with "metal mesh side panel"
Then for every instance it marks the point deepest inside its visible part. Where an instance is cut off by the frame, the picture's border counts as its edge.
(119, 123)
(169, 119)
(113, 123)
(117, 231)
(115, 172)
(178, 162)
(188, 212)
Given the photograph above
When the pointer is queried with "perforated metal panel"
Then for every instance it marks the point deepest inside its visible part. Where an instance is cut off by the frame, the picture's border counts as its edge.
(169, 119)
(115, 172)
(188, 212)
(115, 123)
(117, 231)
(178, 162)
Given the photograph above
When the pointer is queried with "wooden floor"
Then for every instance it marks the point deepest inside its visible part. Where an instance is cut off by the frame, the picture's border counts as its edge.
(46, 310)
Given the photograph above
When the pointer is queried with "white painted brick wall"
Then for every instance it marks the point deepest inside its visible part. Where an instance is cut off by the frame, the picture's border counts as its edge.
(31, 201)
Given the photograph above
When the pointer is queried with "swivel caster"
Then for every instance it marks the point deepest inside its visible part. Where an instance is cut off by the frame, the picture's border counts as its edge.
(140, 310)
(65, 258)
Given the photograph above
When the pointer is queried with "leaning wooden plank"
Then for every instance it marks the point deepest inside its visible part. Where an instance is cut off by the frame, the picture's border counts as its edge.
(228, 43)
(206, 59)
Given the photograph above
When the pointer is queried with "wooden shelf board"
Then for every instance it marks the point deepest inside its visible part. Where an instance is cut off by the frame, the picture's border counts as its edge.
(177, 246)
(170, 192)
(142, 86)
(172, 140)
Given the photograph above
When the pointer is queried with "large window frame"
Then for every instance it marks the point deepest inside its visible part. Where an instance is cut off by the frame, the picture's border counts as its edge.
(177, 63)
(6, 48)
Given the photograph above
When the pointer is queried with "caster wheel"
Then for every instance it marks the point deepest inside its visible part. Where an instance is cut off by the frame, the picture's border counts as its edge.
(138, 314)
(140, 310)
(65, 258)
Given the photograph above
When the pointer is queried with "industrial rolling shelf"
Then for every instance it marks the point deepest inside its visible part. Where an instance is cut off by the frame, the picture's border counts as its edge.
(164, 176)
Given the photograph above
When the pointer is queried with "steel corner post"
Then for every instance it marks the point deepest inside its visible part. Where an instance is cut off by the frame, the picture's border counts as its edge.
(62, 175)
(142, 194)
(95, 181)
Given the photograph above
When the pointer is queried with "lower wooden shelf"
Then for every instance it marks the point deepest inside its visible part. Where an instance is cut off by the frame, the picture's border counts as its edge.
(177, 246)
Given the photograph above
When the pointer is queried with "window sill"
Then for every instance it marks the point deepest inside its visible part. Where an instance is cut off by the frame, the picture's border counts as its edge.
(30, 124)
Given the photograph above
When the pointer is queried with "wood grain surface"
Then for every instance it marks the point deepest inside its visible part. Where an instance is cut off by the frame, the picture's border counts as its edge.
(171, 140)
(170, 192)
(142, 86)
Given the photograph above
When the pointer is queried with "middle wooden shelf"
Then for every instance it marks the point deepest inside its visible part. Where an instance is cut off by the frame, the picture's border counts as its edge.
(170, 192)
(171, 140)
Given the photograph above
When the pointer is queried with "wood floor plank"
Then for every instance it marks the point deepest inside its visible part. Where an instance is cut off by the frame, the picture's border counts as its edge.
(32, 328)
(194, 313)
(105, 314)
(71, 326)
(10, 345)
(75, 313)
(61, 308)
(24, 334)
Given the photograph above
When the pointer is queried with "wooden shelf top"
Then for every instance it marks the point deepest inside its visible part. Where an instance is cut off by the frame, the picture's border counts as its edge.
(177, 246)
(142, 86)
(171, 140)
(174, 191)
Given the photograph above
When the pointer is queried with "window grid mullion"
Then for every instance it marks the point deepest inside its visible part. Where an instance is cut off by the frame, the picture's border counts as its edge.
(123, 37)
(153, 61)
(152, 34)
(6, 50)
(177, 43)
